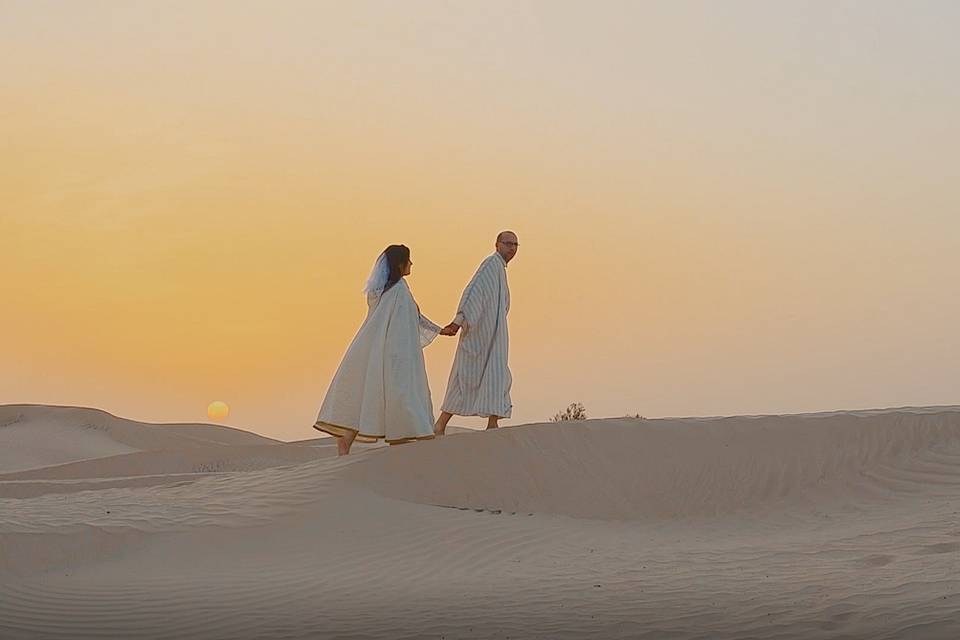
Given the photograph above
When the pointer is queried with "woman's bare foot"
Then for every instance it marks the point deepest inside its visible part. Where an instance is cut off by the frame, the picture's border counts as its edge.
(344, 443)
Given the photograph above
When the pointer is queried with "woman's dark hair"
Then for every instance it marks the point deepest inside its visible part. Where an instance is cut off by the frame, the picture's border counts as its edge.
(397, 255)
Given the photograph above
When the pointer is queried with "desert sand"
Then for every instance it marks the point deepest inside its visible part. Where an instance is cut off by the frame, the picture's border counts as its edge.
(829, 525)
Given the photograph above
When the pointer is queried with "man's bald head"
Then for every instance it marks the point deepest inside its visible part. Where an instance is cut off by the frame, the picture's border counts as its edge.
(507, 245)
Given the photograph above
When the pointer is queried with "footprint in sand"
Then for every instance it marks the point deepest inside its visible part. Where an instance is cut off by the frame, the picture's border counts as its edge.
(877, 560)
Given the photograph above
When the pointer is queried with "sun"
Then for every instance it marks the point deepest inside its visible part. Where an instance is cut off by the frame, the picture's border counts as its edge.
(218, 410)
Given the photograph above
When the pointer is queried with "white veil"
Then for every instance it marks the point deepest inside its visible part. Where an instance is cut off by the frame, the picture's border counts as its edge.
(378, 277)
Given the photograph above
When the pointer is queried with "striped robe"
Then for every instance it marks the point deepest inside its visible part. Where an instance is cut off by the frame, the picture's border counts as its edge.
(480, 380)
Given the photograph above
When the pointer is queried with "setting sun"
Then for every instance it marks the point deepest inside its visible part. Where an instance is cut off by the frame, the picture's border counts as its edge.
(218, 410)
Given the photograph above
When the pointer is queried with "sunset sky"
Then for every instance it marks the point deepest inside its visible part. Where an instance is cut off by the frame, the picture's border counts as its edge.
(723, 208)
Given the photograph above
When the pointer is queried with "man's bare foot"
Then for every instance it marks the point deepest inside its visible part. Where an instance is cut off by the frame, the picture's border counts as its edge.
(440, 428)
(492, 422)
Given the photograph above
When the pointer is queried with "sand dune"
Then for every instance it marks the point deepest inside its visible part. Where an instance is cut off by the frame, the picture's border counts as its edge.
(834, 525)
(650, 469)
(69, 449)
(34, 436)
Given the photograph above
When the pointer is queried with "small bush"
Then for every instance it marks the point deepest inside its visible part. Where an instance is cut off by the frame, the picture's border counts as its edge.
(574, 412)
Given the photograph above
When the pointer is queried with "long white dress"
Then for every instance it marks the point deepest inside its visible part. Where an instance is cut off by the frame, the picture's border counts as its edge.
(480, 379)
(380, 389)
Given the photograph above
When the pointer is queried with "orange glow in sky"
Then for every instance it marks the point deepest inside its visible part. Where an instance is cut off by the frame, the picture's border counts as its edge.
(722, 208)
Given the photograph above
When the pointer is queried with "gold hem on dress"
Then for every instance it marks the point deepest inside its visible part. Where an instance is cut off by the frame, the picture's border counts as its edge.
(339, 431)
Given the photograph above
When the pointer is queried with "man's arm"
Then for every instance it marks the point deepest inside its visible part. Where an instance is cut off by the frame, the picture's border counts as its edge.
(474, 300)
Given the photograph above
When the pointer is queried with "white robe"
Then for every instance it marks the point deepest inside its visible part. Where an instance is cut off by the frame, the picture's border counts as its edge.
(480, 379)
(380, 389)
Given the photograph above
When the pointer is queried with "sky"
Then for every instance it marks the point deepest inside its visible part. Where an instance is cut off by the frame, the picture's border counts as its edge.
(723, 208)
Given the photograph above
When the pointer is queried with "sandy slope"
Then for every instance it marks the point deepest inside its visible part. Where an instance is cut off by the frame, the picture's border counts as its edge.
(34, 436)
(842, 525)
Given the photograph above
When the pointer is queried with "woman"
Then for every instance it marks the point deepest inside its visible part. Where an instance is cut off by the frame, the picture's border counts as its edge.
(380, 389)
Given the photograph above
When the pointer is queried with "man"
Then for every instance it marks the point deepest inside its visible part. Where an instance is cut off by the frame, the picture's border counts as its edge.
(480, 380)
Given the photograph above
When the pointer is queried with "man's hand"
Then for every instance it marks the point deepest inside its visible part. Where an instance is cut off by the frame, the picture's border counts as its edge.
(450, 330)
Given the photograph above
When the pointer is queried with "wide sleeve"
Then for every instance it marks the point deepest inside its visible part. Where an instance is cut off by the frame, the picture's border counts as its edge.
(427, 329)
(476, 297)
(373, 299)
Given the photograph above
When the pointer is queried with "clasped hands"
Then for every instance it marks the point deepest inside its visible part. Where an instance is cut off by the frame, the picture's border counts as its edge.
(450, 330)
